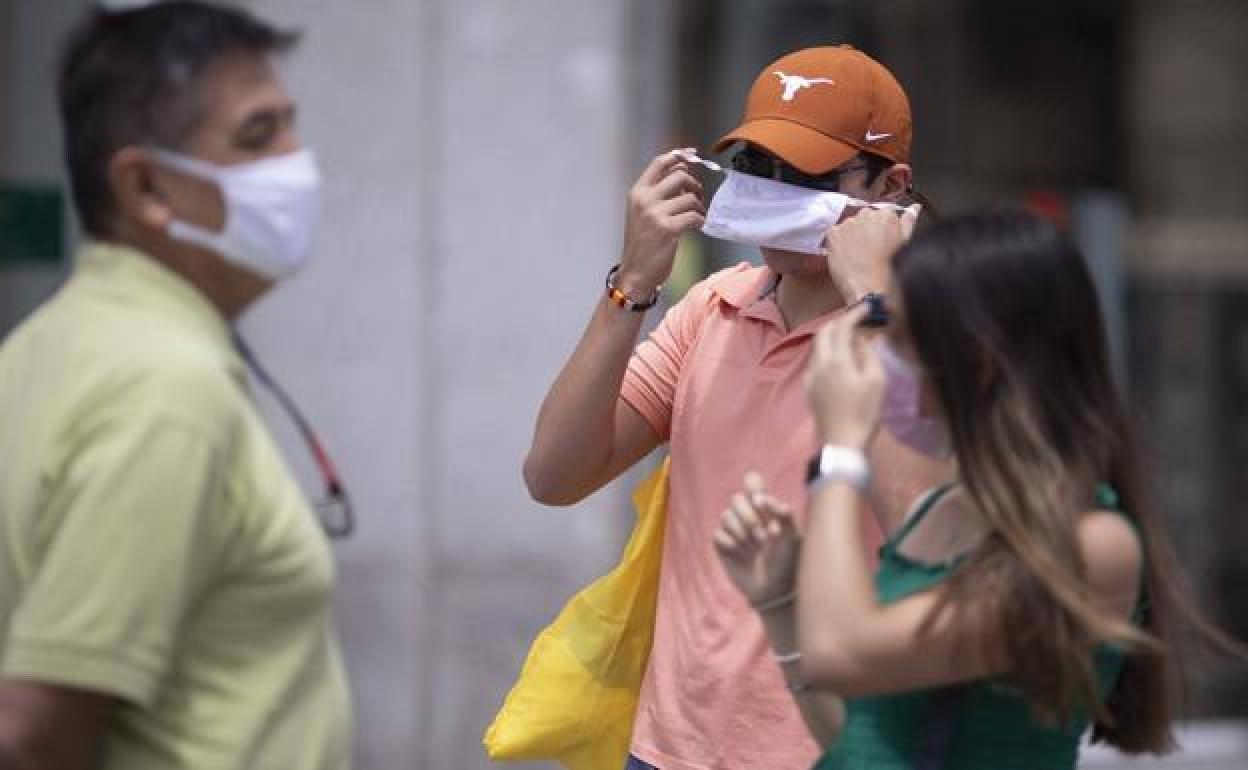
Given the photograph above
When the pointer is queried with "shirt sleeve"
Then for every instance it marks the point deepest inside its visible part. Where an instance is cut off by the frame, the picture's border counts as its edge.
(127, 541)
(654, 370)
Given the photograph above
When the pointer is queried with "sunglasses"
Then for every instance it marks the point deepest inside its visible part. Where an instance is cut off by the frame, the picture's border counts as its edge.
(755, 162)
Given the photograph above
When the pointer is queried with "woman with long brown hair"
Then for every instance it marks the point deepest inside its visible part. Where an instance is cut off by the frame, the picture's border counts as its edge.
(1030, 597)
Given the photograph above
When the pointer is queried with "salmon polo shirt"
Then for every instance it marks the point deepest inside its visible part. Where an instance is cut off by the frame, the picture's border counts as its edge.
(721, 380)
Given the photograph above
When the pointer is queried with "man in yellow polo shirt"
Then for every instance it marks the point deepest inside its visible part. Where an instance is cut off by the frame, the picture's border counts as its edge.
(164, 587)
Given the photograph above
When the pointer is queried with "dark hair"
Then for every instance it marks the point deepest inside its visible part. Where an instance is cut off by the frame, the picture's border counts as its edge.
(133, 77)
(1007, 322)
(876, 165)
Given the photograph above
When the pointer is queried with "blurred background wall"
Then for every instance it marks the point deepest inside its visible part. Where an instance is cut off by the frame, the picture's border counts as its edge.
(477, 154)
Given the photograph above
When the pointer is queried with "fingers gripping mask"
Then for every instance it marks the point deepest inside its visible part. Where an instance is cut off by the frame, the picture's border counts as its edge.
(271, 209)
(766, 212)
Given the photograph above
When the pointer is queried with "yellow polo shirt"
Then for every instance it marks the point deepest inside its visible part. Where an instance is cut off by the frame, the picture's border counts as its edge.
(153, 544)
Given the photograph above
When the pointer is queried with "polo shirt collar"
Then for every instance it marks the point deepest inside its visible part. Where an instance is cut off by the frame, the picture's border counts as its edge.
(128, 274)
(743, 288)
(753, 294)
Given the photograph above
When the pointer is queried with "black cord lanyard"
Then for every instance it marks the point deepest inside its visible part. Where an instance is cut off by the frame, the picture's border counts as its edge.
(335, 511)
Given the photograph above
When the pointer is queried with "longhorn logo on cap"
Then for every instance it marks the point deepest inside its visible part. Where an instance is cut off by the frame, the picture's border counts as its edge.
(794, 83)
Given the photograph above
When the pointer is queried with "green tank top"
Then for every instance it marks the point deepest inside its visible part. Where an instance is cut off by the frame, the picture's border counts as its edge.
(990, 727)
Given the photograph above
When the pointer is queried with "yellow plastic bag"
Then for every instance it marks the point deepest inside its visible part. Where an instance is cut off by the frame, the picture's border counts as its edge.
(576, 696)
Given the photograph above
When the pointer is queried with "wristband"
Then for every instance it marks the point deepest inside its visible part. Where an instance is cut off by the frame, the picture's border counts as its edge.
(785, 658)
(776, 603)
(837, 463)
(622, 300)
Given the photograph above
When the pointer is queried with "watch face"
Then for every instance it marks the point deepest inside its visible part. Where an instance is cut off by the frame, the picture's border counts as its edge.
(831, 459)
(877, 314)
(838, 463)
(823, 462)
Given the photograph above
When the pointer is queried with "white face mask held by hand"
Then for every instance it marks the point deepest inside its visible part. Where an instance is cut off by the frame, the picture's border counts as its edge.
(271, 210)
(765, 212)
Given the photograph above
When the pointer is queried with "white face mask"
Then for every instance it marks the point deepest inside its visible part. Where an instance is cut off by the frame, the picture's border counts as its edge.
(765, 212)
(900, 413)
(271, 210)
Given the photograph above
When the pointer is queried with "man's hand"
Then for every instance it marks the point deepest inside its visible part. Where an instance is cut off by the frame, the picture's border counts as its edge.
(51, 728)
(665, 203)
(860, 249)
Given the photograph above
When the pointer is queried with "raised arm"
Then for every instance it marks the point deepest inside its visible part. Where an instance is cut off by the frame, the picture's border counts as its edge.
(850, 641)
(586, 435)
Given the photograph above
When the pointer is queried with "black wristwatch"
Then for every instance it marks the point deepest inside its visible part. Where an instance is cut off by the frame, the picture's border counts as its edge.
(877, 314)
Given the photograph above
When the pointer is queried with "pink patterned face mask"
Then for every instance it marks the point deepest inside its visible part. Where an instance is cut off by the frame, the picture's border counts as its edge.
(900, 412)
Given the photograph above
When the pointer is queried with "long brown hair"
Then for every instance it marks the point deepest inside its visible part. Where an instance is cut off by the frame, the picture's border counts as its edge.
(1006, 321)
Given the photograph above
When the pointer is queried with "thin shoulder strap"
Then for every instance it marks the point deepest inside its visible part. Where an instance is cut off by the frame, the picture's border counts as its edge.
(925, 504)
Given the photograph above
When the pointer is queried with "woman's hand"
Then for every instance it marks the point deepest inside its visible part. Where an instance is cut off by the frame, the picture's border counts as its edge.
(845, 383)
(860, 248)
(759, 544)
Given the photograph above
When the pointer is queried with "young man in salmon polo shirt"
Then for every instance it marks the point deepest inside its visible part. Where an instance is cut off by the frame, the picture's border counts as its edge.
(720, 382)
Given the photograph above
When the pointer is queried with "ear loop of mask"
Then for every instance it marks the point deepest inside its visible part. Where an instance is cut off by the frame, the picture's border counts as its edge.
(335, 511)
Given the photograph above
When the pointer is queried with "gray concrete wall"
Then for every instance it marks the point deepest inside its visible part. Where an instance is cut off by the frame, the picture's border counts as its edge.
(6, 56)
(33, 31)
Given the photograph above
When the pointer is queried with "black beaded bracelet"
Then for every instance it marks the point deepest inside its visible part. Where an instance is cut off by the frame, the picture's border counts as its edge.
(623, 300)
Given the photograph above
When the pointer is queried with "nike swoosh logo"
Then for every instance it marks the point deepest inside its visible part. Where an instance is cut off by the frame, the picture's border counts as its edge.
(876, 137)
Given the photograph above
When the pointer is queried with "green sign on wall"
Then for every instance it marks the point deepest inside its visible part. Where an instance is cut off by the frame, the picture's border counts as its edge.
(32, 223)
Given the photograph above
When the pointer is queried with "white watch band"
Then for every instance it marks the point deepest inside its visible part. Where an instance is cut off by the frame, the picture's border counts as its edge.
(838, 463)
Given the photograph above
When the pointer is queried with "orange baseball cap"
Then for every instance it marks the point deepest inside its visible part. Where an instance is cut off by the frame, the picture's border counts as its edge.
(818, 107)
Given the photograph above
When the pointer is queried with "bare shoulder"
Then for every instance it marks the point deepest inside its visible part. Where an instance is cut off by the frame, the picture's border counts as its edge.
(1113, 555)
